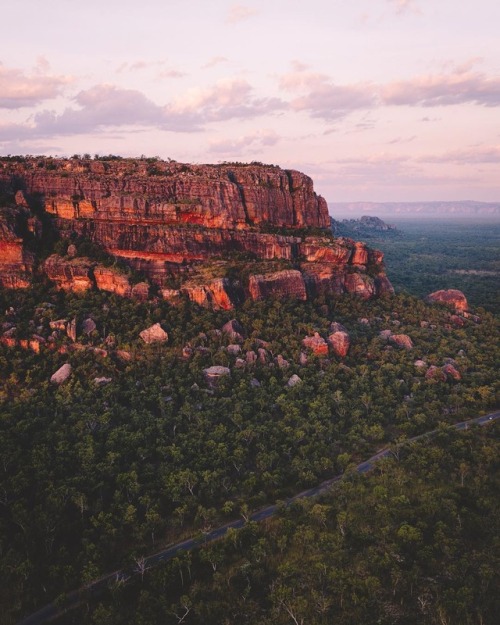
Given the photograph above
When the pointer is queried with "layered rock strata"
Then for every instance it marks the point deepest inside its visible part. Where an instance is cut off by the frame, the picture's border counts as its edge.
(168, 219)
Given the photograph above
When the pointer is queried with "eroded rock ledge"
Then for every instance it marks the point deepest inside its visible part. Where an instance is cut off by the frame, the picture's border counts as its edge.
(183, 226)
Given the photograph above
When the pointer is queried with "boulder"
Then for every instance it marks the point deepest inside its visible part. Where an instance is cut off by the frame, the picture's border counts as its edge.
(453, 298)
(281, 362)
(294, 380)
(435, 373)
(62, 374)
(339, 341)
(402, 340)
(233, 349)
(316, 344)
(213, 374)
(420, 364)
(102, 381)
(450, 372)
(154, 334)
(234, 330)
(88, 326)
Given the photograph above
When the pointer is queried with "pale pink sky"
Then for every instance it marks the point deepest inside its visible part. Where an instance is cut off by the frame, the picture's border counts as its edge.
(381, 100)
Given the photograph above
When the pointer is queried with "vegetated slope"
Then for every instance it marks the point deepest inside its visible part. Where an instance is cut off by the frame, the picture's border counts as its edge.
(138, 448)
(415, 543)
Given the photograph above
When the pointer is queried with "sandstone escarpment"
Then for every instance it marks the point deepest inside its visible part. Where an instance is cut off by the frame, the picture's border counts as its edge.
(167, 220)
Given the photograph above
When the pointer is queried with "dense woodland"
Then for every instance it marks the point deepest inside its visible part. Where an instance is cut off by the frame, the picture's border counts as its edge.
(94, 476)
(425, 255)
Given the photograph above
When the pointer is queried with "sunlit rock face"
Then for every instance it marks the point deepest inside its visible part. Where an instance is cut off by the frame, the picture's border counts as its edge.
(453, 298)
(168, 220)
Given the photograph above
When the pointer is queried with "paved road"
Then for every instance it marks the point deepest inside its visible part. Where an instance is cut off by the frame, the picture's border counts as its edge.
(52, 612)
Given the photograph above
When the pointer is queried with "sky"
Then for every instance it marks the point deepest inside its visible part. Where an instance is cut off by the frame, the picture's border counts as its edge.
(376, 100)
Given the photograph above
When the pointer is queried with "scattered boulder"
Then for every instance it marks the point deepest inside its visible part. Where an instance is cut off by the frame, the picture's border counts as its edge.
(254, 383)
(234, 330)
(213, 374)
(402, 340)
(59, 324)
(123, 355)
(102, 381)
(263, 355)
(71, 329)
(187, 352)
(385, 334)
(88, 326)
(453, 298)
(316, 344)
(294, 380)
(435, 373)
(251, 357)
(420, 364)
(240, 363)
(71, 251)
(303, 359)
(339, 340)
(450, 372)
(281, 362)
(62, 374)
(233, 349)
(140, 291)
(154, 334)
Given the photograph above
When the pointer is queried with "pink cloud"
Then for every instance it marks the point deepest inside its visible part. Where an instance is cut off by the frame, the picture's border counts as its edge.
(215, 60)
(405, 6)
(240, 13)
(249, 142)
(458, 87)
(18, 89)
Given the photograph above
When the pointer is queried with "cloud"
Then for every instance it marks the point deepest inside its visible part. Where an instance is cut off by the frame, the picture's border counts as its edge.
(323, 99)
(475, 154)
(105, 107)
(248, 143)
(460, 86)
(18, 89)
(320, 97)
(215, 60)
(239, 13)
(405, 6)
(227, 99)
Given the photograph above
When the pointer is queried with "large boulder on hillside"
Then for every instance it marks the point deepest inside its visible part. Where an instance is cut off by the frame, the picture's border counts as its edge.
(316, 344)
(453, 298)
(401, 340)
(234, 330)
(62, 374)
(213, 374)
(339, 339)
(154, 334)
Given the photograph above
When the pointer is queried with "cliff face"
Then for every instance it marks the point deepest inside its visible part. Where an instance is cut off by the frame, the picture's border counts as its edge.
(167, 219)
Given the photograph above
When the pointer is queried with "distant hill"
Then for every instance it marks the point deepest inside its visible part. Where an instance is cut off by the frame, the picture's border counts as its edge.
(366, 227)
(462, 208)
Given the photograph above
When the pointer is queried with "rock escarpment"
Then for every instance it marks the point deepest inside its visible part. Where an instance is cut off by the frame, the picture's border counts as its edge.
(192, 226)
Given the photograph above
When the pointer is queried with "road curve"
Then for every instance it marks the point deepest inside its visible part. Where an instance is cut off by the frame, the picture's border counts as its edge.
(72, 600)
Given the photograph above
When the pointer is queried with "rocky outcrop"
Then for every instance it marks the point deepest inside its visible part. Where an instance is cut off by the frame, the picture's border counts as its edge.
(339, 340)
(154, 334)
(401, 340)
(62, 374)
(288, 283)
(214, 374)
(453, 298)
(166, 219)
(73, 274)
(316, 344)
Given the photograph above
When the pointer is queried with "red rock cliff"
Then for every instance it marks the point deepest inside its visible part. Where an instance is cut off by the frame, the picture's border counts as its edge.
(165, 218)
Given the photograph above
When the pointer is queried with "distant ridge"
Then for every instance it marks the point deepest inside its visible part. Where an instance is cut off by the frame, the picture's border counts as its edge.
(461, 208)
